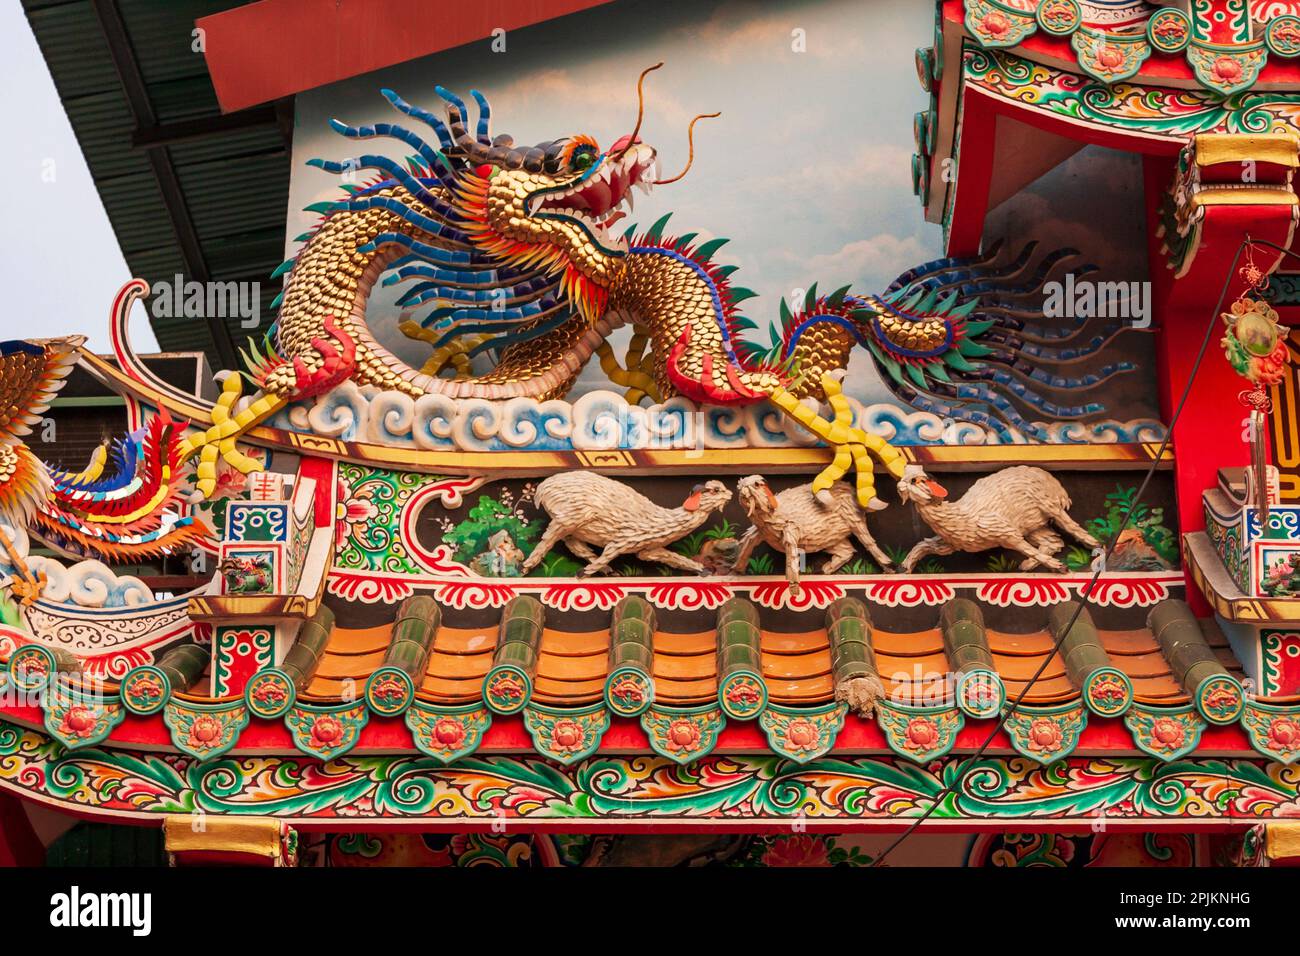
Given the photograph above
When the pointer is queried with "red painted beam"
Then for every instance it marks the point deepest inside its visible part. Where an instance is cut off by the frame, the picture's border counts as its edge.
(262, 51)
(974, 176)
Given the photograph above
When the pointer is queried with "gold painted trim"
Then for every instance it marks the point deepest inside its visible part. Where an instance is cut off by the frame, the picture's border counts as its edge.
(1282, 149)
(1212, 580)
(258, 836)
(1239, 196)
(222, 607)
(1282, 840)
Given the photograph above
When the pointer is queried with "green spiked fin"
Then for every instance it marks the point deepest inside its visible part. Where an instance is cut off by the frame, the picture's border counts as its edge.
(958, 361)
(810, 298)
(890, 365)
(973, 349)
(965, 309)
(656, 232)
(706, 250)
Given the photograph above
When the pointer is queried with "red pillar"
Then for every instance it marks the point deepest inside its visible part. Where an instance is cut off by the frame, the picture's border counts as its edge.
(1209, 434)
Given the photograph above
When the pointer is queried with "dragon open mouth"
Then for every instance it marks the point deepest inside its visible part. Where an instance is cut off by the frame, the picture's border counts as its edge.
(605, 196)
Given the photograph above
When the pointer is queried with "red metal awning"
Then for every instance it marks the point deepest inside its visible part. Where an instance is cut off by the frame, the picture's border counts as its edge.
(263, 51)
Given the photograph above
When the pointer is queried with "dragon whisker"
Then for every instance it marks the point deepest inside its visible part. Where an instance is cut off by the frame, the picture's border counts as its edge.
(690, 142)
(640, 110)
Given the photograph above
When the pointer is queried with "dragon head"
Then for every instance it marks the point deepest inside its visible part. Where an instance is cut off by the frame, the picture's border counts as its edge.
(552, 206)
(503, 244)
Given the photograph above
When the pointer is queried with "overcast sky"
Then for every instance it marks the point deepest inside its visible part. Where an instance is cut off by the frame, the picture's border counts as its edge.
(59, 260)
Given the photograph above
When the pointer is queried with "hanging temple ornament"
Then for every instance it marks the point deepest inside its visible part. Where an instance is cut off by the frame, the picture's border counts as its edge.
(1255, 344)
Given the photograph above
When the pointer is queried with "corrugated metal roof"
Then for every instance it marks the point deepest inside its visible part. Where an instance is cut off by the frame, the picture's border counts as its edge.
(235, 184)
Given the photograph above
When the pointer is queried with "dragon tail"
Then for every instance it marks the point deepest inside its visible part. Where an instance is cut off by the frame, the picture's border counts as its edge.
(963, 339)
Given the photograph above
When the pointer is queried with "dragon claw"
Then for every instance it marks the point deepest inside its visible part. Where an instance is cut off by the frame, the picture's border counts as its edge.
(854, 447)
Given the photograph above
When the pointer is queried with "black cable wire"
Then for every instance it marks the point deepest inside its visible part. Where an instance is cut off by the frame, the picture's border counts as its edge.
(1273, 245)
(957, 778)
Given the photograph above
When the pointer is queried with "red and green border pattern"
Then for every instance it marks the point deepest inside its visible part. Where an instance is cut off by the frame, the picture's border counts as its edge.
(1129, 107)
(1221, 51)
(754, 789)
(566, 735)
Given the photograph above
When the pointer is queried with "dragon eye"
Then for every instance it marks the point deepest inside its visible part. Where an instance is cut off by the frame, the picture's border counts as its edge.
(582, 160)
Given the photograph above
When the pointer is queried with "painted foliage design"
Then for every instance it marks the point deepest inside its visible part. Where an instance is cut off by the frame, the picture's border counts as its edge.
(1128, 106)
(368, 518)
(396, 787)
(496, 533)
(1003, 850)
(1147, 543)
(1062, 850)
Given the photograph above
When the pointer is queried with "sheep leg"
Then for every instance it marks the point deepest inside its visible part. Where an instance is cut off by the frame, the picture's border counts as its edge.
(1045, 540)
(748, 541)
(611, 551)
(840, 553)
(863, 535)
(1029, 551)
(1074, 529)
(672, 559)
(580, 548)
(550, 537)
(790, 544)
(924, 548)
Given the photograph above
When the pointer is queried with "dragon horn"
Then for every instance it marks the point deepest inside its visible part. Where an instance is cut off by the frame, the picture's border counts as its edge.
(640, 110)
(690, 141)
(484, 132)
(499, 153)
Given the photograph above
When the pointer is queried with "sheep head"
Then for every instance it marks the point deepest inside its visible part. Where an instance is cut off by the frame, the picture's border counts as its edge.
(755, 495)
(707, 497)
(916, 485)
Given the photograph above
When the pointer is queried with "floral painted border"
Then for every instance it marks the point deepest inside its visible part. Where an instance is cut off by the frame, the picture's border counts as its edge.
(1157, 111)
(1222, 53)
(483, 790)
